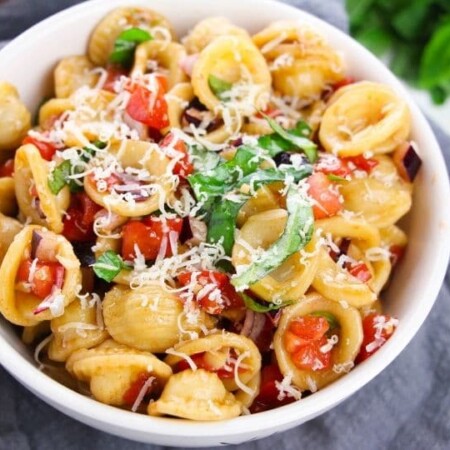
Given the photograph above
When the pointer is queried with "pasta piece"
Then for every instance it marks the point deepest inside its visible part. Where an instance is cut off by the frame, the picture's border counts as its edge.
(21, 306)
(8, 203)
(343, 353)
(73, 72)
(15, 119)
(363, 117)
(166, 56)
(104, 35)
(246, 398)
(237, 61)
(52, 110)
(9, 227)
(33, 194)
(77, 328)
(111, 369)
(149, 318)
(290, 280)
(301, 61)
(178, 98)
(335, 283)
(135, 196)
(382, 198)
(31, 334)
(209, 29)
(231, 352)
(198, 395)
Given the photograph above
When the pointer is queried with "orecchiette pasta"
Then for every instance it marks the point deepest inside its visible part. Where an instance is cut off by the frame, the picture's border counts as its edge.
(364, 117)
(15, 119)
(202, 229)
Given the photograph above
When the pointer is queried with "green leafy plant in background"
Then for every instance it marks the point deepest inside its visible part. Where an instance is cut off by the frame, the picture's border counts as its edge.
(413, 34)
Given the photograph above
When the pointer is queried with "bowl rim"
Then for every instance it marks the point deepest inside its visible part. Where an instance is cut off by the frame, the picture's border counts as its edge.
(88, 410)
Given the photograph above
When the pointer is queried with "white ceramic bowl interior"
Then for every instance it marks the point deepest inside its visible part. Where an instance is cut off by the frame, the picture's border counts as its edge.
(28, 63)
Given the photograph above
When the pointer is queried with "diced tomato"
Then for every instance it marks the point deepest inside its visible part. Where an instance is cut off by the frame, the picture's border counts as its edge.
(148, 107)
(184, 166)
(131, 394)
(270, 111)
(332, 165)
(362, 163)
(378, 328)
(397, 252)
(79, 219)
(310, 357)
(7, 168)
(46, 149)
(46, 275)
(309, 328)
(229, 298)
(200, 360)
(113, 74)
(269, 396)
(324, 192)
(303, 340)
(344, 82)
(148, 235)
(359, 271)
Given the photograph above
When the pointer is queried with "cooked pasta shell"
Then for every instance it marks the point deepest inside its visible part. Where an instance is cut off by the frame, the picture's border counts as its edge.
(263, 200)
(79, 327)
(178, 99)
(289, 281)
(52, 110)
(101, 42)
(9, 227)
(8, 203)
(382, 198)
(20, 307)
(393, 235)
(363, 117)
(301, 61)
(139, 155)
(236, 60)
(336, 284)
(167, 55)
(15, 119)
(31, 334)
(73, 72)
(198, 395)
(207, 30)
(217, 348)
(150, 318)
(246, 398)
(343, 354)
(111, 369)
(31, 174)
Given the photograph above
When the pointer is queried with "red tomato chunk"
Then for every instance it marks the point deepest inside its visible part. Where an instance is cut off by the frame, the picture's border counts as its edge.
(325, 194)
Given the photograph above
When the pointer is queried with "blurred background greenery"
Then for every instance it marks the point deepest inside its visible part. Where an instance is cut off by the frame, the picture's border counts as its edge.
(413, 36)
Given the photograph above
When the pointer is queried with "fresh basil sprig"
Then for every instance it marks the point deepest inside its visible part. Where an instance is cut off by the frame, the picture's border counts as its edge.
(109, 265)
(260, 308)
(294, 139)
(125, 45)
(297, 233)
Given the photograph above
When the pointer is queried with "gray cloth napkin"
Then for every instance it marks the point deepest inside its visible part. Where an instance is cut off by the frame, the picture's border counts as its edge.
(405, 407)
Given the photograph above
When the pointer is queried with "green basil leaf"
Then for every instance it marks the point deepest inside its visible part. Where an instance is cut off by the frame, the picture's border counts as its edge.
(108, 266)
(126, 43)
(218, 86)
(297, 233)
(59, 176)
(336, 178)
(331, 319)
(301, 142)
(255, 306)
(203, 159)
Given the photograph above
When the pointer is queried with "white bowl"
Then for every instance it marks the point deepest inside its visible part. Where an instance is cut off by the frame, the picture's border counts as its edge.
(27, 62)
